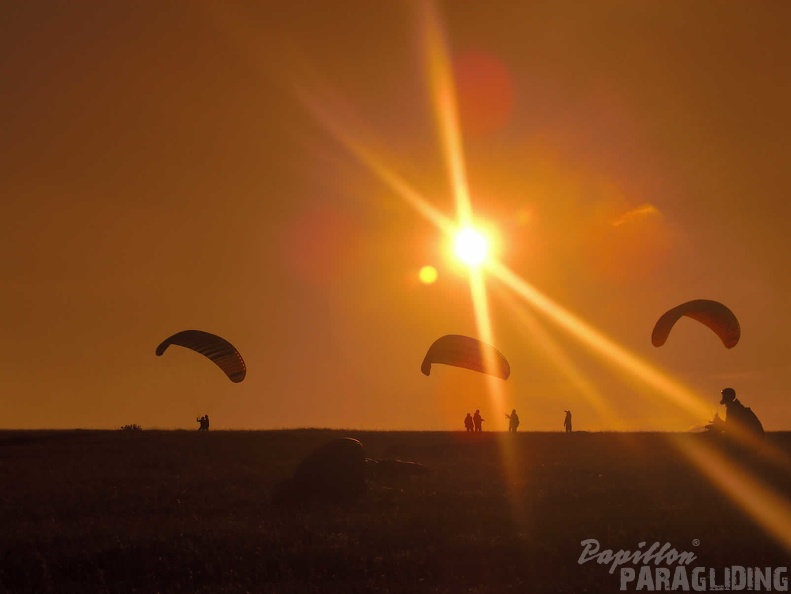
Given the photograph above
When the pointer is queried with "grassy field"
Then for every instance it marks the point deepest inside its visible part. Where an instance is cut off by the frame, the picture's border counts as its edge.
(178, 511)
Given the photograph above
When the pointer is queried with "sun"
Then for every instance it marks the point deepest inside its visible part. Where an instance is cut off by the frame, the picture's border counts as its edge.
(471, 246)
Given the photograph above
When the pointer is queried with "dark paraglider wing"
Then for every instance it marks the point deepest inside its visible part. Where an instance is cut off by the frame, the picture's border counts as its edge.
(467, 352)
(712, 314)
(216, 348)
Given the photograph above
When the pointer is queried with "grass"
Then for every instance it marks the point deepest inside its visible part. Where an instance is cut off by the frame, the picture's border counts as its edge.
(179, 511)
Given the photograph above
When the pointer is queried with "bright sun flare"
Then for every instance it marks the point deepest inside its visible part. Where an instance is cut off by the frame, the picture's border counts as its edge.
(471, 247)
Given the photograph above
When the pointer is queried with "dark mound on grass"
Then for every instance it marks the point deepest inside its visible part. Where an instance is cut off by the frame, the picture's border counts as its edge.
(334, 473)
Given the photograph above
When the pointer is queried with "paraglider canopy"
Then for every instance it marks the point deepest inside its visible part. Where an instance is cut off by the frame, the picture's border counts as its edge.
(467, 352)
(216, 348)
(712, 314)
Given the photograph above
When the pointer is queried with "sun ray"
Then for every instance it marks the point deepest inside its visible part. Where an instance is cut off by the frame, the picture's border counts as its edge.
(602, 346)
(767, 508)
(397, 184)
(619, 357)
(440, 76)
(539, 335)
(484, 327)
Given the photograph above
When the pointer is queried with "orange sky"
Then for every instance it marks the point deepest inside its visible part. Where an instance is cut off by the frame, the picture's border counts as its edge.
(161, 169)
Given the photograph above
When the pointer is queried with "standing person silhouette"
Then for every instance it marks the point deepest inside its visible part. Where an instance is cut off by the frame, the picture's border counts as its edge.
(513, 421)
(468, 424)
(567, 421)
(478, 420)
(204, 423)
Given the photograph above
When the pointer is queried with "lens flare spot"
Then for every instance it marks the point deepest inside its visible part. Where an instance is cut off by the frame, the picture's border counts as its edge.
(485, 89)
(428, 275)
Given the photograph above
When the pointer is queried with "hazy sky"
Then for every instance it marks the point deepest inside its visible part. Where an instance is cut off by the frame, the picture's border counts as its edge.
(162, 168)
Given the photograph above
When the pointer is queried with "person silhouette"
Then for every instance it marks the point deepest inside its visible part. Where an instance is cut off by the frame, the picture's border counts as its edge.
(513, 421)
(204, 423)
(206, 418)
(468, 424)
(567, 421)
(739, 418)
(478, 420)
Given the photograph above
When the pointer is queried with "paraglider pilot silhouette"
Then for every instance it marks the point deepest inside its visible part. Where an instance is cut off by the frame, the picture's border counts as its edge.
(478, 420)
(468, 424)
(738, 416)
(513, 421)
(567, 421)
